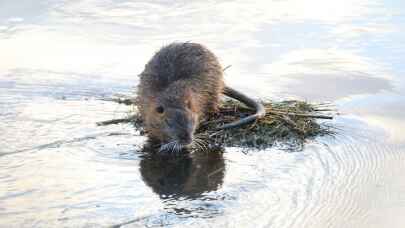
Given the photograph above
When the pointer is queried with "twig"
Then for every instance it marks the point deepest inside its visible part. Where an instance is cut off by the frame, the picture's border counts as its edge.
(325, 110)
(125, 101)
(115, 121)
(216, 133)
(227, 67)
(301, 115)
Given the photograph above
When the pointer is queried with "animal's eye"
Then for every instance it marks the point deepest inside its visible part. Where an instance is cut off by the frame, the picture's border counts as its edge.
(160, 109)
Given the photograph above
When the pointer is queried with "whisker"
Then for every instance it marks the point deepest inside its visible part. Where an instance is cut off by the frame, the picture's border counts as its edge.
(195, 145)
(165, 146)
(178, 146)
(173, 147)
(202, 144)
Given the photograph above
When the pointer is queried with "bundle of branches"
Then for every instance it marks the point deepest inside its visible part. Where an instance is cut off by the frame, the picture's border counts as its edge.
(287, 123)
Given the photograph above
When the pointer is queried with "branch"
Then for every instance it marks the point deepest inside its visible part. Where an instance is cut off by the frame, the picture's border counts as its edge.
(115, 121)
(301, 115)
(125, 101)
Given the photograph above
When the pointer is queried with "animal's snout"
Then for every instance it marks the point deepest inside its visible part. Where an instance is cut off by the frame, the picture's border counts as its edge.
(185, 138)
(183, 126)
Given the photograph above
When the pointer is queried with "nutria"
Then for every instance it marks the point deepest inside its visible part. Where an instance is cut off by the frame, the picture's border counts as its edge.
(179, 86)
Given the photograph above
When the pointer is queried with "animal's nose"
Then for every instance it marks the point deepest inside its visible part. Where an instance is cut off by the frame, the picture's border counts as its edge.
(186, 138)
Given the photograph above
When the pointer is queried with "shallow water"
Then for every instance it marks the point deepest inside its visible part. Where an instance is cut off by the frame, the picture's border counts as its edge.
(60, 58)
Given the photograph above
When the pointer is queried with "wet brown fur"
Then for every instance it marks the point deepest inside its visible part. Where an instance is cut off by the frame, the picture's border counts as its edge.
(187, 80)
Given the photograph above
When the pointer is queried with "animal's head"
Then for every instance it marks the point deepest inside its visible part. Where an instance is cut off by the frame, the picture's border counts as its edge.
(172, 118)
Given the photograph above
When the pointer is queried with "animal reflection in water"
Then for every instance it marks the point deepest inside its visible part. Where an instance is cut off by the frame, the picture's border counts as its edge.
(190, 175)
